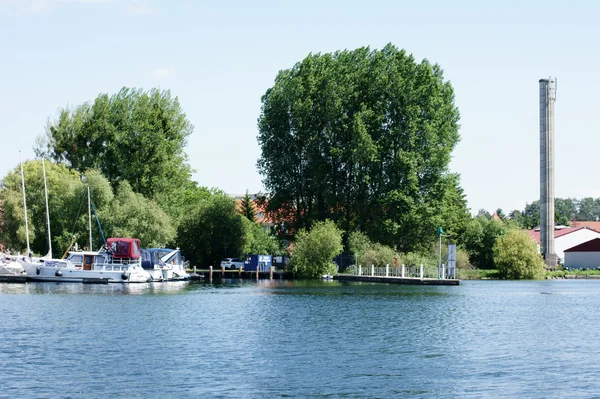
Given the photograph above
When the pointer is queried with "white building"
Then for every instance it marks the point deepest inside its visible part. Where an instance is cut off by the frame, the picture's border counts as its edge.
(566, 237)
(586, 255)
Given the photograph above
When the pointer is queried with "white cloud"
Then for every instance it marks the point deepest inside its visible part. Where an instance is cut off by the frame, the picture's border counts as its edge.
(162, 73)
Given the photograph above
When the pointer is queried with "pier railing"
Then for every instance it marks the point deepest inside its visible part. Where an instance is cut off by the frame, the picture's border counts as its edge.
(402, 271)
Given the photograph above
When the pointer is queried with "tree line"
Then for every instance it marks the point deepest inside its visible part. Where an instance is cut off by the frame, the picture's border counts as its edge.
(354, 143)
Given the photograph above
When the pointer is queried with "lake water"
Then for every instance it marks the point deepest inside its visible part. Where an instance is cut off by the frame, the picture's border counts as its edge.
(284, 339)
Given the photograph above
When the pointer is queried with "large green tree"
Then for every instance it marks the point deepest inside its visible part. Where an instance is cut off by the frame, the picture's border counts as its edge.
(363, 138)
(67, 200)
(134, 135)
(211, 230)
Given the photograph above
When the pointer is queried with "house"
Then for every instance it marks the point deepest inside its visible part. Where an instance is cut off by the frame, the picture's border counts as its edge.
(566, 237)
(585, 255)
(261, 216)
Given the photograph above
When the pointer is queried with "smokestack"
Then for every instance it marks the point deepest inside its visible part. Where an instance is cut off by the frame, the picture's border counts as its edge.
(547, 99)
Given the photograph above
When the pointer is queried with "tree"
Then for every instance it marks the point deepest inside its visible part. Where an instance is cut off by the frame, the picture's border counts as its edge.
(133, 135)
(67, 200)
(247, 208)
(132, 215)
(212, 230)
(258, 241)
(362, 138)
(479, 239)
(516, 256)
(589, 209)
(314, 250)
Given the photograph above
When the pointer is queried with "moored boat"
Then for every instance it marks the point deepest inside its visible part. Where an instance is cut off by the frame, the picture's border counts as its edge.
(119, 261)
(164, 264)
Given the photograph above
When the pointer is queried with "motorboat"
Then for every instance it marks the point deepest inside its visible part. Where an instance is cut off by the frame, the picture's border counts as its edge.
(164, 264)
(10, 266)
(119, 261)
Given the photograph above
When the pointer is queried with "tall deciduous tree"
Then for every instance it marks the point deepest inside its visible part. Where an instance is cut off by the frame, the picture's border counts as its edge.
(67, 199)
(212, 230)
(133, 135)
(363, 138)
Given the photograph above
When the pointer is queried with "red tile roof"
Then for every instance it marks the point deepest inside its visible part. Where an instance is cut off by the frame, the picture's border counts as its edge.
(589, 224)
(535, 234)
(592, 245)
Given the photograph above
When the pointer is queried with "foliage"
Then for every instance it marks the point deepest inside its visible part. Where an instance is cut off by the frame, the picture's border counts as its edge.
(67, 203)
(362, 138)
(479, 239)
(132, 215)
(247, 208)
(565, 210)
(416, 259)
(211, 230)
(378, 255)
(258, 241)
(133, 135)
(516, 256)
(314, 250)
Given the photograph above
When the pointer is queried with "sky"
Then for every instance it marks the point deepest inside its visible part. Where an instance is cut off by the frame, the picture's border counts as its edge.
(219, 58)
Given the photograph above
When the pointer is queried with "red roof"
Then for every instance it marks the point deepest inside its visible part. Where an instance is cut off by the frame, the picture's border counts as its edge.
(592, 245)
(535, 234)
(589, 224)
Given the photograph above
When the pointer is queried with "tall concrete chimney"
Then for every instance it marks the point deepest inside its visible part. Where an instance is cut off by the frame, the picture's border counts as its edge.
(547, 99)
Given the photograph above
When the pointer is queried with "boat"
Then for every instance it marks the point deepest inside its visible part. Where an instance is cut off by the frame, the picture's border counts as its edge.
(164, 264)
(119, 261)
(10, 266)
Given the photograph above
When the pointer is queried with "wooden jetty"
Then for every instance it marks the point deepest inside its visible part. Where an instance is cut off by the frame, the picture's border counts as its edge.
(397, 280)
(13, 278)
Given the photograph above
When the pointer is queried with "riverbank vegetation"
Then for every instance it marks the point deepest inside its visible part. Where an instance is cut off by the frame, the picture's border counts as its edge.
(355, 143)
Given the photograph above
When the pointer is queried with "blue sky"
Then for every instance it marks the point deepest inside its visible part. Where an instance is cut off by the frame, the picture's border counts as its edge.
(219, 57)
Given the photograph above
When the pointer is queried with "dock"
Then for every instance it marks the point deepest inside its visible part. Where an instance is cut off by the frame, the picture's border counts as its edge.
(397, 280)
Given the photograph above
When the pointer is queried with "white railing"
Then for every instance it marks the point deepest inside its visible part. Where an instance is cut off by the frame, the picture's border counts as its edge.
(402, 271)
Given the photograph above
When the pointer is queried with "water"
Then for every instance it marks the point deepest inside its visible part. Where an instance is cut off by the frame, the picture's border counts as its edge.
(285, 339)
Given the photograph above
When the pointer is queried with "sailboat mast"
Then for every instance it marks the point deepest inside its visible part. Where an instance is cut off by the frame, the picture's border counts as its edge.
(47, 211)
(24, 205)
(90, 217)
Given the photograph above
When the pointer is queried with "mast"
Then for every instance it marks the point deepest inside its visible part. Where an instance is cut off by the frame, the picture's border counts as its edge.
(47, 211)
(90, 217)
(24, 205)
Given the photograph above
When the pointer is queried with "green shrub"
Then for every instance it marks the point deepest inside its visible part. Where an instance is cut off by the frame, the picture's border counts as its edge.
(314, 250)
(516, 256)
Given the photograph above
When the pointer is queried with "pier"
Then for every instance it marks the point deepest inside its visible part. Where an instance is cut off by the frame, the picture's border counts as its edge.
(413, 275)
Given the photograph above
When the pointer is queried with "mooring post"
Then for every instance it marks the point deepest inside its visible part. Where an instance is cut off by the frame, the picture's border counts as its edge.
(222, 271)
(240, 272)
(372, 270)
(210, 270)
(271, 273)
(359, 270)
(443, 271)
(387, 270)
(403, 270)
(194, 269)
(257, 273)
(421, 270)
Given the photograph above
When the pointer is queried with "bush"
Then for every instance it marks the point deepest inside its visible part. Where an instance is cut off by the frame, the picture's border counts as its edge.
(314, 250)
(516, 256)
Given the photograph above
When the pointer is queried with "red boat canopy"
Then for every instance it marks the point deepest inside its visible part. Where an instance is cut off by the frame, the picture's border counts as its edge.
(124, 247)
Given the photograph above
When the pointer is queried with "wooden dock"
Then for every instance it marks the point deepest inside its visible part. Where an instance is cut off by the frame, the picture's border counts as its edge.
(11, 278)
(397, 280)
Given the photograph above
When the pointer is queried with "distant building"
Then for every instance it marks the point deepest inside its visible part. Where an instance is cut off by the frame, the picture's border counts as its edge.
(585, 255)
(261, 215)
(566, 237)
